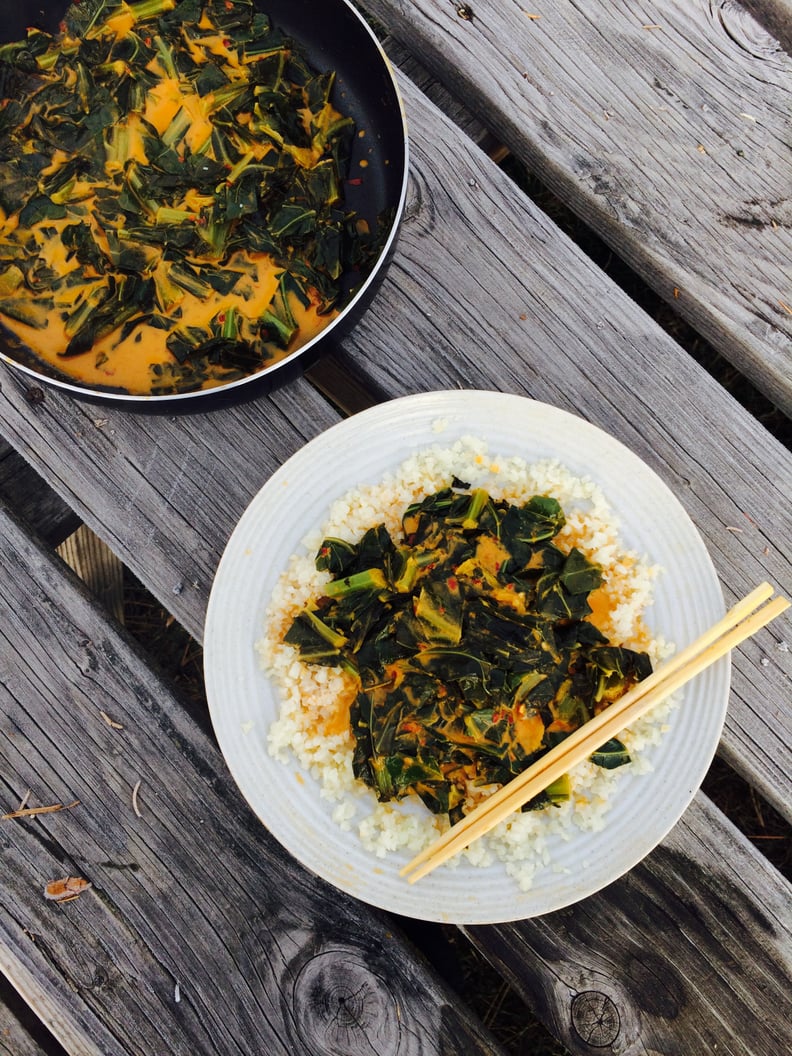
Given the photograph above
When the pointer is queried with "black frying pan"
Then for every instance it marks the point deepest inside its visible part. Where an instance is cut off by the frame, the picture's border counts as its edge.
(334, 36)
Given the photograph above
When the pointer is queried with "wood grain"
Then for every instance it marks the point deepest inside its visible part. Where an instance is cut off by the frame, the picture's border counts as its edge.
(543, 322)
(483, 291)
(775, 16)
(15, 1039)
(22, 488)
(198, 935)
(163, 490)
(97, 566)
(666, 131)
(688, 953)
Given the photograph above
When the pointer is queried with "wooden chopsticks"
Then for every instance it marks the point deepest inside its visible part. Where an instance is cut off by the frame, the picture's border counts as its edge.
(743, 620)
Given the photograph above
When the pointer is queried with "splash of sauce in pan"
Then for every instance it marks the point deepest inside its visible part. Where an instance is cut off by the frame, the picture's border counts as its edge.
(172, 214)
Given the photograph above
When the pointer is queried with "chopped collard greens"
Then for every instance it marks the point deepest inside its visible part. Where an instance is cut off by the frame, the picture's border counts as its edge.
(470, 642)
(172, 210)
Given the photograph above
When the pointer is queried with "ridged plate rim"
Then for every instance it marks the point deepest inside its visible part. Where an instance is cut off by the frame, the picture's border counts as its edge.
(243, 702)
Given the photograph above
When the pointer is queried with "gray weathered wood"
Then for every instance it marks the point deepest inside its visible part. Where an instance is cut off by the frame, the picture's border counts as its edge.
(619, 972)
(163, 490)
(23, 489)
(544, 323)
(441, 97)
(665, 129)
(97, 566)
(776, 16)
(15, 1039)
(198, 934)
(484, 291)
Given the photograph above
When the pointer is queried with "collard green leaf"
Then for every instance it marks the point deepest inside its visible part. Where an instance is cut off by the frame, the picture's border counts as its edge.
(468, 671)
(82, 18)
(144, 197)
(292, 221)
(122, 299)
(578, 575)
(39, 208)
(335, 556)
(610, 755)
(186, 13)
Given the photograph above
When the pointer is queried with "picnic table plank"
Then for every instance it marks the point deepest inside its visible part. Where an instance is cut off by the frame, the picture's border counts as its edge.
(582, 344)
(22, 488)
(622, 973)
(15, 1039)
(775, 16)
(198, 935)
(666, 132)
(152, 486)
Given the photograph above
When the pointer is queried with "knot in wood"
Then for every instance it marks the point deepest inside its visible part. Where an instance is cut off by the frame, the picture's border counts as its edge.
(465, 12)
(595, 1018)
(342, 1008)
(750, 34)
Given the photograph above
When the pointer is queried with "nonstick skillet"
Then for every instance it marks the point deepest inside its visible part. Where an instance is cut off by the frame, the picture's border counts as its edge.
(333, 36)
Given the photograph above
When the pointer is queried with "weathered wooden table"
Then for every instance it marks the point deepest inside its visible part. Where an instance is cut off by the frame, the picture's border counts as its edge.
(665, 128)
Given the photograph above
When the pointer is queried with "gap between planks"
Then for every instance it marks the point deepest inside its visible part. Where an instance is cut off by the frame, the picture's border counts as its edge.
(97, 566)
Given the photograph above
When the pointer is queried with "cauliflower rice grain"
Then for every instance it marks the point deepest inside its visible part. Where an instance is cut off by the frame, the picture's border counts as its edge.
(313, 727)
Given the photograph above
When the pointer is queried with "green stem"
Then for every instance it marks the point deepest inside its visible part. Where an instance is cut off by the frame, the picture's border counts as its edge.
(230, 325)
(478, 502)
(150, 8)
(332, 637)
(240, 167)
(371, 579)
(166, 215)
(176, 130)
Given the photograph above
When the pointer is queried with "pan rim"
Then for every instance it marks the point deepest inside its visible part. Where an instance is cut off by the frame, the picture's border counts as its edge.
(148, 399)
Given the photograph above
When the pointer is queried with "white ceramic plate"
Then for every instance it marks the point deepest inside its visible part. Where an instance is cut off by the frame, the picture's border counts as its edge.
(243, 703)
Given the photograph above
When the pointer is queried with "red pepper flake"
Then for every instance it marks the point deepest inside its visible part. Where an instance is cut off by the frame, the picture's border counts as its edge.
(510, 586)
(147, 41)
(452, 583)
(227, 42)
(497, 566)
(355, 181)
(221, 317)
